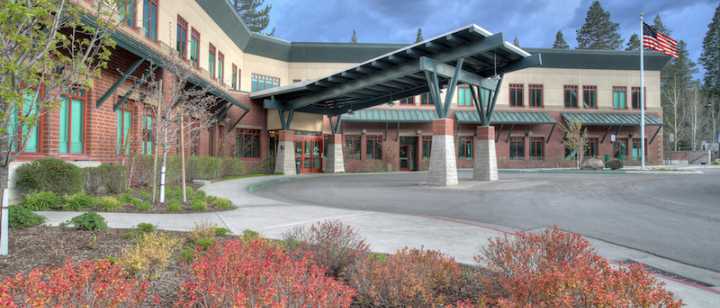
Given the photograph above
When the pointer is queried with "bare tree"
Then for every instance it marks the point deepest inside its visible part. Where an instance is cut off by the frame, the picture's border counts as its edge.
(575, 139)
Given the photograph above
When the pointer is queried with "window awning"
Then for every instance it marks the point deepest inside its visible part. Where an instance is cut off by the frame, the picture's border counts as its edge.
(391, 115)
(506, 117)
(611, 118)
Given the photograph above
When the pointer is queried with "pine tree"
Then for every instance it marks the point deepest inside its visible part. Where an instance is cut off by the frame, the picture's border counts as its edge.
(354, 39)
(419, 37)
(659, 25)
(598, 32)
(255, 14)
(710, 60)
(516, 42)
(633, 43)
(560, 42)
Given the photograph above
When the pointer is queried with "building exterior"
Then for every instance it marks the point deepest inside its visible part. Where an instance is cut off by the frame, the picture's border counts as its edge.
(598, 88)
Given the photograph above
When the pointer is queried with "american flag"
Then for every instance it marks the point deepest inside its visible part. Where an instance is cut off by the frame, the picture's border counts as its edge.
(658, 41)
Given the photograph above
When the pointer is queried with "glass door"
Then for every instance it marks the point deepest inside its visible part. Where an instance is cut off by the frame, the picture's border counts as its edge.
(308, 153)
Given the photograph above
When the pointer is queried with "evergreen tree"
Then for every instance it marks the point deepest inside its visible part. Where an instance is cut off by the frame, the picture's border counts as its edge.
(659, 25)
(560, 42)
(710, 59)
(419, 37)
(676, 80)
(255, 14)
(598, 32)
(516, 42)
(633, 43)
(354, 39)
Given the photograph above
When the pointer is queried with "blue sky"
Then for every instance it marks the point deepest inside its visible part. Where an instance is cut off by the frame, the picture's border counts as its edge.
(534, 22)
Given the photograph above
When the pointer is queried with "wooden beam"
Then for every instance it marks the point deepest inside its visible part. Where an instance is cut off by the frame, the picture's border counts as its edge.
(238, 121)
(118, 82)
(655, 135)
(547, 140)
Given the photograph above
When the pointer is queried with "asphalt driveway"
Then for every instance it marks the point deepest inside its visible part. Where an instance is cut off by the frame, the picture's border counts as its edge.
(673, 216)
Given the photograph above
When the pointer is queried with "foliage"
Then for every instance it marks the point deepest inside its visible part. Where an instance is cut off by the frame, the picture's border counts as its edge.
(203, 235)
(145, 227)
(83, 284)
(555, 268)
(259, 274)
(560, 42)
(250, 235)
(232, 167)
(575, 139)
(174, 206)
(633, 43)
(204, 167)
(614, 164)
(711, 56)
(419, 36)
(79, 201)
(598, 31)
(108, 204)
(150, 256)
(22, 217)
(141, 205)
(90, 221)
(105, 179)
(334, 246)
(354, 38)
(220, 231)
(198, 205)
(187, 254)
(42, 201)
(220, 203)
(49, 174)
(255, 14)
(408, 278)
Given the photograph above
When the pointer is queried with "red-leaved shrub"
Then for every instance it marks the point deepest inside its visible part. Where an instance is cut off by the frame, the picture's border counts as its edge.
(560, 269)
(408, 278)
(333, 245)
(85, 284)
(259, 274)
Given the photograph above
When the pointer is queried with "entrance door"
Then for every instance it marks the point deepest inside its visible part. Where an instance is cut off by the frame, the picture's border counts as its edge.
(405, 157)
(308, 154)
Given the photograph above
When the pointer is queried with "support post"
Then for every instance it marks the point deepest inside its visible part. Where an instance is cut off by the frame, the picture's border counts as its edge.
(443, 165)
(485, 158)
(335, 162)
(4, 240)
(285, 158)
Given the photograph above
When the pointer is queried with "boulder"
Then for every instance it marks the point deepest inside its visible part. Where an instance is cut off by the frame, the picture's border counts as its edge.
(592, 164)
(614, 164)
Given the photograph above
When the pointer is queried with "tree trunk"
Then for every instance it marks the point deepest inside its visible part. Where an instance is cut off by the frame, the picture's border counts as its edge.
(182, 157)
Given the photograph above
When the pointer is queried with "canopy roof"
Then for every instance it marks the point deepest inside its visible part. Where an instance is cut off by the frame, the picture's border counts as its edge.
(374, 115)
(611, 119)
(506, 117)
(401, 73)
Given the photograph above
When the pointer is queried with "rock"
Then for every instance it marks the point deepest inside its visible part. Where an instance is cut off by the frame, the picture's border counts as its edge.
(614, 164)
(592, 164)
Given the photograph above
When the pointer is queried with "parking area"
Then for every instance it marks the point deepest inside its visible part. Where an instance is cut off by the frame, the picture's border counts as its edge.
(674, 216)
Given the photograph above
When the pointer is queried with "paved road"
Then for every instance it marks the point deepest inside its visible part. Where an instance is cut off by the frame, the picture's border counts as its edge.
(673, 216)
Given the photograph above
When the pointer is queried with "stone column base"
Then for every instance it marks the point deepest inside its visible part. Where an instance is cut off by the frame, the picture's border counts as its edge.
(285, 159)
(335, 162)
(443, 166)
(485, 157)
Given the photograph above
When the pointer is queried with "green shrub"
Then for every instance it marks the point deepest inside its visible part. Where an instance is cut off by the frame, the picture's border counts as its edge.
(220, 231)
(233, 167)
(145, 227)
(174, 206)
(205, 242)
(220, 203)
(716, 162)
(140, 205)
(42, 201)
(90, 221)
(196, 194)
(249, 235)
(108, 204)
(614, 164)
(22, 217)
(79, 201)
(49, 174)
(187, 254)
(105, 179)
(198, 205)
(204, 168)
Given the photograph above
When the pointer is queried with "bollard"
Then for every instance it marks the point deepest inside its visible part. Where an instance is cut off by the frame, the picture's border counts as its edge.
(4, 224)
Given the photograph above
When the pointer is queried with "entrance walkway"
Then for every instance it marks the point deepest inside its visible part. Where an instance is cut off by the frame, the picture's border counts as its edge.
(384, 232)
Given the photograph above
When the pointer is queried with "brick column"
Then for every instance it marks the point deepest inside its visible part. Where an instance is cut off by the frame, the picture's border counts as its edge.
(285, 158)
(443, 167)
(485, 157)
(335, 162)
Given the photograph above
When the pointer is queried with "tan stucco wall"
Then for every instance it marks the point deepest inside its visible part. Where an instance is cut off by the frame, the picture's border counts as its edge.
(310, 71)
(263, 66)
(301, 121)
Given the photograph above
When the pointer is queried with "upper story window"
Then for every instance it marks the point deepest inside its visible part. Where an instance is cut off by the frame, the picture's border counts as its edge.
(129, 11)
(234, 78)
(425, 99)
(221, 67)
(535, 92)
(195, 48)
(620, 97)
(464, 96)
(211, 61)
(150, 18)
(571, 96)
(410, 100)
(262, 82)
(71, 124)
(516, 94)
(590, 96)
(635, 98)
(182, 37)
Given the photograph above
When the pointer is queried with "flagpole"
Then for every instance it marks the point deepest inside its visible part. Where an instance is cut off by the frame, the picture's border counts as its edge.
(642, 92)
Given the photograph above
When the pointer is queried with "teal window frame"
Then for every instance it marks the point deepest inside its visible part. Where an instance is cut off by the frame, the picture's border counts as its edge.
(426, 147)
(195, 47)
(517, 148)
(619, 98)
(130, 13)
(221, 68)
(72, 121)
(352, 147)
(234, 78)
(516, 94)
(635, 98)
(535, 95)
(425, 99)
(590, 96)
(123, 129)
(150, 19)
(261, 82)
(592, 147)
(570, 96)
(465, 147)
(537, 148)
(464, 96)
(373, 147)
(181, 43)
(212, 60)
(28, 130)
(147, 143)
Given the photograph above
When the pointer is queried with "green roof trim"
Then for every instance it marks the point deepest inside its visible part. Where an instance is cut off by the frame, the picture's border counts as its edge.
(611, 118)
(390, 115)
(506, 117)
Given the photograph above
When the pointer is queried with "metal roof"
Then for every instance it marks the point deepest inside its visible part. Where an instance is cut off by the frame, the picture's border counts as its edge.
(400, 73)
(611, 119)
(506, 117)
(374, 115)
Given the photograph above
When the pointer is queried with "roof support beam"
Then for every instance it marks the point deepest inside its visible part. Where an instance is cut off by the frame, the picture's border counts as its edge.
(231, 127)
(447, 71)
(485, 106)
(655, 135)
(123, 99)
(335, 127)
(118, 82)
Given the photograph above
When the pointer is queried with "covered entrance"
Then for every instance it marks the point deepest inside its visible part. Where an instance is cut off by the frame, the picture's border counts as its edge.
(408, 153)
(308, 153)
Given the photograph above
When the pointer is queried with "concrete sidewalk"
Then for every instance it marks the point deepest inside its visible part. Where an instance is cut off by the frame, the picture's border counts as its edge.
(389, 232)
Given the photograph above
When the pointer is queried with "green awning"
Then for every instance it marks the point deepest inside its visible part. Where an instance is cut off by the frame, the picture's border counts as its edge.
(506, 117)
(611, 119)
(391, 115)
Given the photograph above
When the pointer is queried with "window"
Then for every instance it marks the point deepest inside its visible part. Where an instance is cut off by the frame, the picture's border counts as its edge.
(234, 78)
(211, 61)
(426, 147)
(592, 148)
(262, 82)
(464, 96)
(636, 150)
(221, 67)
(247, 143)
(71, 123)
(516, 95)
(130, 13)
(373, 147)
(182, 34)
(465, 147)
(537, 148)
(150, 18)
(425, 99)
(635, 97)
(30, 114)
(590, 96)
(571, 96)
(123, 124)
(408, 101)
(195, 48)
(619, 97)
(535, 95)
(147, 134)
(352, 147)
(517, 148)
(620, 148)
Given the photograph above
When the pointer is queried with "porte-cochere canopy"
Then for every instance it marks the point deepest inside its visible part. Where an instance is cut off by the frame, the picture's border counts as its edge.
(405, 72)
